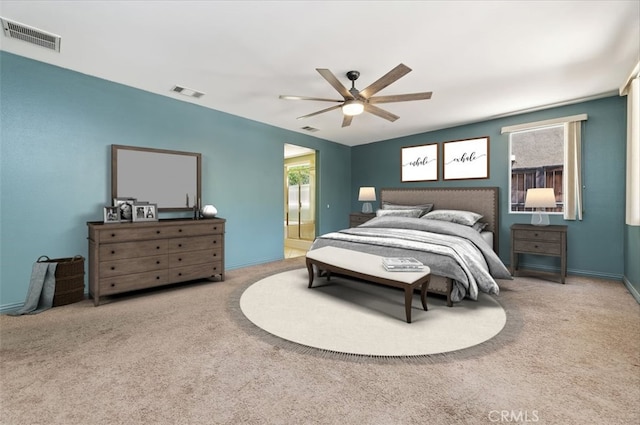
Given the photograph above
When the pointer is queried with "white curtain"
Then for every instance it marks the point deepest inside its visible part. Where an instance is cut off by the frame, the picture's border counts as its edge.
(631, 88)
(573, 171)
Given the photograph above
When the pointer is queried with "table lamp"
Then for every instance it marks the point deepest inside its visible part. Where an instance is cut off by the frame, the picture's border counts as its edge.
(539, 199)
(366, 195)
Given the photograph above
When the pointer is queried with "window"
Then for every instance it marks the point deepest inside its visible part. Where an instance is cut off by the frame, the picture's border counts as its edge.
(547, 154)
(537, 160)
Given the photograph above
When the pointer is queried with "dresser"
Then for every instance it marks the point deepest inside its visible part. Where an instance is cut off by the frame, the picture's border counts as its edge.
(356, 219)
(130, 256)
(539, 240)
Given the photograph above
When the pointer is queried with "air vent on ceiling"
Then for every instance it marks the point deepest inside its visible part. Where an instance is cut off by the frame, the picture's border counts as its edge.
(187, 92)
(310, 129)
(31, 35)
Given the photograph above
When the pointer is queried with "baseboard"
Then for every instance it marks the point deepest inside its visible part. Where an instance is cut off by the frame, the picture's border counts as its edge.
(576, 272)
(10, 308)
(632, 290)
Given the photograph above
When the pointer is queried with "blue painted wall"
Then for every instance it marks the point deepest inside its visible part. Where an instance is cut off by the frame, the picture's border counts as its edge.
(596, 244)
(56, 130)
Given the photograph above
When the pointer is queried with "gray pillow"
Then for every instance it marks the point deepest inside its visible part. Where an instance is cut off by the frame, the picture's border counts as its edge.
(479, 226)
(424, 207)
(399, 213)
(467, 218)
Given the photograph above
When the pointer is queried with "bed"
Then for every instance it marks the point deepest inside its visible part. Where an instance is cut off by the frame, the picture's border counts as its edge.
(446, 234)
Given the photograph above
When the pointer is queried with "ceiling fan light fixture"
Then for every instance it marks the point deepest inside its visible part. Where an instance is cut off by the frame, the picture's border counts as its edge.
(352, 107)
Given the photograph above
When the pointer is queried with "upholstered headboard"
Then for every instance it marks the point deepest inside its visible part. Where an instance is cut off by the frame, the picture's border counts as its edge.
(482, 200)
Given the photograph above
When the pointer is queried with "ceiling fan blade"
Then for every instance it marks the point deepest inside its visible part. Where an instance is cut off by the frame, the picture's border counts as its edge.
(380, 112)
(335, 83)
(400, 97)
(320, 112)
(346, 121)
(289, 97)
(390, 77)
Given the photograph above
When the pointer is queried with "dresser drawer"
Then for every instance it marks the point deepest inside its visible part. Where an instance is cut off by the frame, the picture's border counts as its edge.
(117, 251)
(132, 265)
(537, 235)
(212, 228)
(195, 243)
(194, 257)
(125, 234)
(200, 271)
(114, 285)
(534, 247)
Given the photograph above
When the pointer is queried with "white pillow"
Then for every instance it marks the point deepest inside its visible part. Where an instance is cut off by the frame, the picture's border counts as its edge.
(399, 213)
(468, 218)
(425, 208)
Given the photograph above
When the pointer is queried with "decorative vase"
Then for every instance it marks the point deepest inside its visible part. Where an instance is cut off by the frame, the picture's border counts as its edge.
(209, 211)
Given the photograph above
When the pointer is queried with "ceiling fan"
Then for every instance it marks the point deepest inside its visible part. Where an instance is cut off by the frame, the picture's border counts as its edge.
(356, 101)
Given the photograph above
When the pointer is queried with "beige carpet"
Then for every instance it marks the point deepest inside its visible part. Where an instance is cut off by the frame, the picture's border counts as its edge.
(349, 317)
(182, 355)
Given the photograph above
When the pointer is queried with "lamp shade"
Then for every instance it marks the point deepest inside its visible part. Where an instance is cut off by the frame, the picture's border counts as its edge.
(352, 107)
(540, 198)
(367, 194)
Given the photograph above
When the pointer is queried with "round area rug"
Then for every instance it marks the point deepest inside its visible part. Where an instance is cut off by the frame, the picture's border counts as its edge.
(351, 317)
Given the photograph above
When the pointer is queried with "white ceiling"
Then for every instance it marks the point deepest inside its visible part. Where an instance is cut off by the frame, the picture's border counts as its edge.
(481, 59)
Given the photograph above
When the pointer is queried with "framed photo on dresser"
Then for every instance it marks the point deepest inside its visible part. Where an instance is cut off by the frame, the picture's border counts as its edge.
(145, 212)
(111, 214)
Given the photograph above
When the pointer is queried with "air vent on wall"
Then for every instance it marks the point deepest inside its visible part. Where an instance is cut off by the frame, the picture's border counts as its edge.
(31, 35)
(310, 129)
(187, 92)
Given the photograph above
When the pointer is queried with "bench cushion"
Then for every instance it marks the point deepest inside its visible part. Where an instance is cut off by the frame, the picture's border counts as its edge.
(364, 263)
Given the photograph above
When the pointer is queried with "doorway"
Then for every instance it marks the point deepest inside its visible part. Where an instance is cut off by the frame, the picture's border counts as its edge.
(300, 199)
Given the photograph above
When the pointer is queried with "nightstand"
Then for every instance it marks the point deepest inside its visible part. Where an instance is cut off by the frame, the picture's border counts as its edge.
(356, 219)
(539, 240)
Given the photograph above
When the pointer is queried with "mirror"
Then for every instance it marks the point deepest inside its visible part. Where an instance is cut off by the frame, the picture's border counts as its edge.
(170, 179)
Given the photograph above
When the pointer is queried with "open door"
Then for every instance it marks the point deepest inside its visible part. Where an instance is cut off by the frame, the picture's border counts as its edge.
(300, 199)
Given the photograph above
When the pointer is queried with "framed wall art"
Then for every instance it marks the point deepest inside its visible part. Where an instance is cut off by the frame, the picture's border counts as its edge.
(466, 159)
(419, 163)
(145, 212)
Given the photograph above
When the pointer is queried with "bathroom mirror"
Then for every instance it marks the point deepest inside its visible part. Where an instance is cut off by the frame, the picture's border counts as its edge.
(170, 179)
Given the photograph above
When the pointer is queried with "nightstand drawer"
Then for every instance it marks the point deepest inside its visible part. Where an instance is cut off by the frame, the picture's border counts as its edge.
(537, 235)
(534, 247)
(356, 219)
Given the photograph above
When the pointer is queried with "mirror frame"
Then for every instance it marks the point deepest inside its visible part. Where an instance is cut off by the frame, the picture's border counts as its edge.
(117, 175)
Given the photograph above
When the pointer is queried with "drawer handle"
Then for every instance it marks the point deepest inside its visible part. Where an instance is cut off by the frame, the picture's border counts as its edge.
(157, 232)
(158, 262)
(112, 252)
(157, 277)
(113, 268)
(179, 259)
(535, 246)
(215, 255)
(113, 235)
(113, 285)
(215, 228)
(179, 230)
(157, 247)
(179, 274)
(179, 245)
(535, 234)
(215, 242)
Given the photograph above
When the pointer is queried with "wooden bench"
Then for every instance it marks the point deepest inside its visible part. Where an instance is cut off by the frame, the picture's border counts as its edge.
(368, 267)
